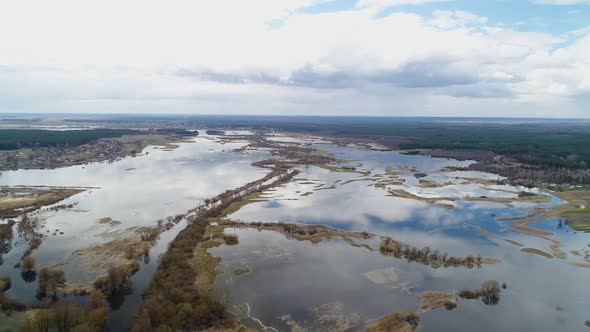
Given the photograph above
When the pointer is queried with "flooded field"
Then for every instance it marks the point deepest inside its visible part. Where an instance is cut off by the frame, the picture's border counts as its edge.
(120, 198)
(276, 282)
(456, 212)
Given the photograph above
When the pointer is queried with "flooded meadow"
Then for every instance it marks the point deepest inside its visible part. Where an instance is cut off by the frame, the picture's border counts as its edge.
(274, 281)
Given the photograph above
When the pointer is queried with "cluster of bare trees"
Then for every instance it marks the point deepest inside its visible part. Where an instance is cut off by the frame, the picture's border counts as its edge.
(27, 268)
(27, 229)
(489, 292)
(116, 279)
(61, 207)
(50, 280)
(426, 255)
(6, 235)
(8, 303)
(66, 316)
(172, 301)
(230, 239)
(61, 315)
(4, 284)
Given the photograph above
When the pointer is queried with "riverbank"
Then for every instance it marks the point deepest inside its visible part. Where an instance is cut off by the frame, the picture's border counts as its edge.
(574, 205)
(16, 201)
(186, 268)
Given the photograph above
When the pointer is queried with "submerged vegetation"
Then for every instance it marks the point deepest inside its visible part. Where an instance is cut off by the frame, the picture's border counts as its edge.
(429, 256)
(312, 233)
(8, 303)
(50, 280)
(173, 300)
(178, 297)
(242, 271)
(116, 279)
(230, 239)
(489, 292)
(4, 284)
(436, 300)
(65, 315)
(14, 201)
(402, 321)
(6, 234)
(430, 300)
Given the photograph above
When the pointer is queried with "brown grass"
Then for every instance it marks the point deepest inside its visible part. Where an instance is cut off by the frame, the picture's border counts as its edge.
(436, 300)
(536, 252)
(505, 200)
(16, 200)
(518, 244)
(313, 233)
(400, 321)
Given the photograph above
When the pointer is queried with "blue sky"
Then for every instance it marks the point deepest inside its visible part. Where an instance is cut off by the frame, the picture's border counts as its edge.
(515, 58)
(522, 15)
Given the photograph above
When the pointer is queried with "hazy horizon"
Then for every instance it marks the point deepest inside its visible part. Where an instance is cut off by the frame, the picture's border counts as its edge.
(164, 115)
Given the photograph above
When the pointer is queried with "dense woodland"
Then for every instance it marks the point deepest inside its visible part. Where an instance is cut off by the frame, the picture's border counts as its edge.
(12, 139)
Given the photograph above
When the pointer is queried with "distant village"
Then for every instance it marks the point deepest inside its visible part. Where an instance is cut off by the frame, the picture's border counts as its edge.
(54, 157)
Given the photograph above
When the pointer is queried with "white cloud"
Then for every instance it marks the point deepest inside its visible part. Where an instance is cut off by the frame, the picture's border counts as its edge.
(223, 56)
(446, 19)
(391, 3)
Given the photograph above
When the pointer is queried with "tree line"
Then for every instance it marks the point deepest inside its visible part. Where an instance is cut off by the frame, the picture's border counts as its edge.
(427, 255)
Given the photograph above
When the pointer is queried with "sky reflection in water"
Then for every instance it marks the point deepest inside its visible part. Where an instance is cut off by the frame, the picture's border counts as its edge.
(135, 191)
(292, 277)
(543, 294)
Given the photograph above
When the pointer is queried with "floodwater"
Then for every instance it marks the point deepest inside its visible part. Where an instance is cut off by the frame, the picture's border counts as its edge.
(332, 285)
(135, 191)
(320, 286)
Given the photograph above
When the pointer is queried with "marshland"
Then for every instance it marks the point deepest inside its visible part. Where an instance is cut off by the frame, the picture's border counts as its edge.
(218, 231)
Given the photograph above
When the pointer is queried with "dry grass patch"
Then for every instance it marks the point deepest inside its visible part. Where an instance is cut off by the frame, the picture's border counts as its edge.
(536, 252)
(437, 300)
(401, 321)
(14, 201)
(242, 271)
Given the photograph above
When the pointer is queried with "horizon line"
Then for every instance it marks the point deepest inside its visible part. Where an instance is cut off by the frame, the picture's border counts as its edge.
(292, 116)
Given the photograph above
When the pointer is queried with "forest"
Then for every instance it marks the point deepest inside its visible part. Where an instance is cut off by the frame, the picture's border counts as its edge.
(12, 139)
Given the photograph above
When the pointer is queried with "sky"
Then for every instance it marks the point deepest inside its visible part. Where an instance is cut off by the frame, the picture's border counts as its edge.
(492, 58)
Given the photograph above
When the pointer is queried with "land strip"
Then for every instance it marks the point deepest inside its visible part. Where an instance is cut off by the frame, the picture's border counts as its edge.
(16, 201)
(430, 256)
(161, 308)
(520, 197)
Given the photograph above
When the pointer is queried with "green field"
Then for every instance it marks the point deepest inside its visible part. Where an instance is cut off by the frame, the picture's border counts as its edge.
(578, 220)
(580, 226)
(580, 211)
